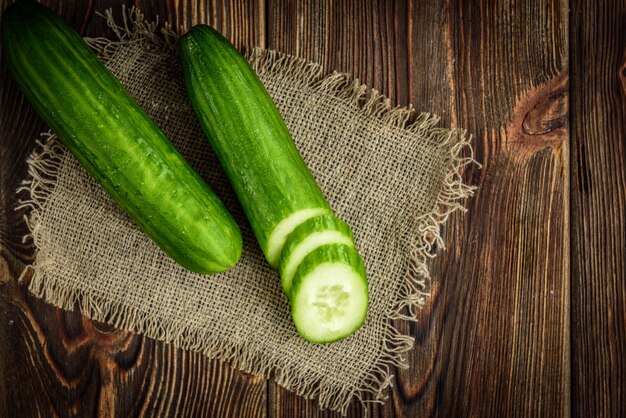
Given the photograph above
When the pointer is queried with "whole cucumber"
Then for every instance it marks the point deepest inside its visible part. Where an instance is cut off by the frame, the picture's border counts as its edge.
(114, 139)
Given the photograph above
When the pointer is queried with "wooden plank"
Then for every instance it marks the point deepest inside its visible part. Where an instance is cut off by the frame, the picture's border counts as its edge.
(67, 365)
(432, 60)
(365, 39)
(598, 195)
(494, 337)
(57, 363)
(498, 339)
(241, 21)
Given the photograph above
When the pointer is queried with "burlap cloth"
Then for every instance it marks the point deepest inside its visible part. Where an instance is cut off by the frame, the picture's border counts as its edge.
(394, 181)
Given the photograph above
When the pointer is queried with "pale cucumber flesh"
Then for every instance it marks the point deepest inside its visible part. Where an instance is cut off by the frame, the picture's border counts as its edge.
(313, 241)
(280, 233)
(311, 234)
(329, 296)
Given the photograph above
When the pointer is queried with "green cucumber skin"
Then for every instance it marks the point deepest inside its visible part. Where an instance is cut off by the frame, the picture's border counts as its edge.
(319, 223)
(247, 133)
(331, 252)
(316, 224)
(337, 253)
(117, 143)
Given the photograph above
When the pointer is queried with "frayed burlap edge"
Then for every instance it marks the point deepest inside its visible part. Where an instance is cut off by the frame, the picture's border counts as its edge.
(420, 239)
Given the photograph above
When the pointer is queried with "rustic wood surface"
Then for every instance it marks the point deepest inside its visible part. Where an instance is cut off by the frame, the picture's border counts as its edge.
(527, 315)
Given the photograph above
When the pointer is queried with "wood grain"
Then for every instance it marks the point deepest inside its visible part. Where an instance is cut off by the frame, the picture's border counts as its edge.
(527, 310)
(57, 363)
(498, 319)
(598, 215)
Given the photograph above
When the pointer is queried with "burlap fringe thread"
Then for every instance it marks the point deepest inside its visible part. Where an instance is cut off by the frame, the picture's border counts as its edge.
(44, 165)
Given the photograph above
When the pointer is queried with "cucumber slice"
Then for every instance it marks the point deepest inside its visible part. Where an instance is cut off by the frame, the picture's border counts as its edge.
(329, 296)
(279, 234)
(309, 235)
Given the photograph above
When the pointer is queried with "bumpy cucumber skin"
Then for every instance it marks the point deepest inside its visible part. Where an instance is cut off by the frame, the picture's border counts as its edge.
(246, 132)
(112, 137)
(334, 253)
(321, 223)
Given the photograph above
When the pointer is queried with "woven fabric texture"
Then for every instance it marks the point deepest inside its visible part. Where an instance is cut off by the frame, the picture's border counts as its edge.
(393, 177)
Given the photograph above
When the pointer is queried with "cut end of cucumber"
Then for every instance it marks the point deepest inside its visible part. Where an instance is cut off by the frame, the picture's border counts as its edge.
(330, 303)
(309, 244)
(279, 235)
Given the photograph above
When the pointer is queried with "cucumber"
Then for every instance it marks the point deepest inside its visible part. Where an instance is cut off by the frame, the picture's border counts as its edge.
(315, 232)
(281, 232)
(321, 271)
(329, 295)
(250, 139)
(114, 139)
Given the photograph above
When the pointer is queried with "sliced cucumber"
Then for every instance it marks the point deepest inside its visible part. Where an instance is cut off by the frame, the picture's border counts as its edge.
(309, 235)
(276, 189)
(329, 295)
(278, 237)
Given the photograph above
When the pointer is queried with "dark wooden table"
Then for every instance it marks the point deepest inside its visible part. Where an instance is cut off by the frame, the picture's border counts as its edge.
(527, 315)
